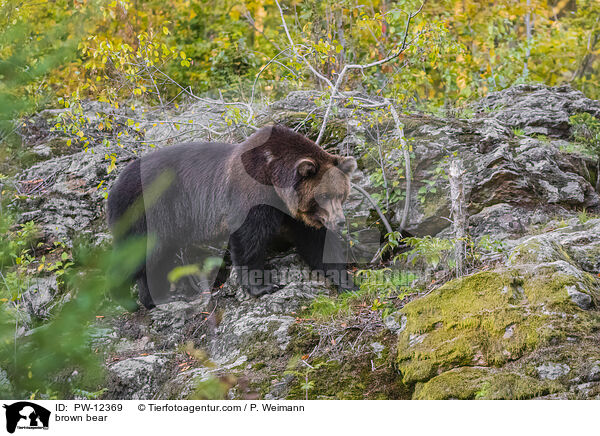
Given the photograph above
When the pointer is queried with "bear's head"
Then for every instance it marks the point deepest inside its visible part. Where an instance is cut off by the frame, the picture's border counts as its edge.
(322, 188)
(312, 183)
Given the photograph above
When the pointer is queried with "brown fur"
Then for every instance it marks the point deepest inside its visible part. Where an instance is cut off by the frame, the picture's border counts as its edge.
(245, 192)
(314, 190)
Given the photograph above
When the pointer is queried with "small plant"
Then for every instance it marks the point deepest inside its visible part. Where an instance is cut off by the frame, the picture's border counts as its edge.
(394, 192)
(518, 131)
(428, 251)
(427, 188)
(542, 138)
(488, 245)
(15, 242)
(379, 289)
(431, 253)
(586, 129)
(466, 113)
(213, 388)
(583, 216)
(304, 373)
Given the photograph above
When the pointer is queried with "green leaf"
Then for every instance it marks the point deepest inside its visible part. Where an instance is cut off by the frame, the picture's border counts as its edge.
(180, 272)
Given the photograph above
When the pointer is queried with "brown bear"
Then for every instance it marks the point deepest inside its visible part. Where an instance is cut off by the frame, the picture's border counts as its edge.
(276, 181)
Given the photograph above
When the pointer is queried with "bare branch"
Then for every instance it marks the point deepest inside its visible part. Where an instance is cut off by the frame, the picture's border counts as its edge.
(297, 53)
(342, 75)
(405, 151)
(407, 169)
(375, 206)
(273, 59)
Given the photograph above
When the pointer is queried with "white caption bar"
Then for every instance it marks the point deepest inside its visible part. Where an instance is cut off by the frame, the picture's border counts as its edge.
(242, 418)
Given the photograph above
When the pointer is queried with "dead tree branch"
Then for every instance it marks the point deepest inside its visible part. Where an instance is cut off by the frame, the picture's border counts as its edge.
(297, 53)
(456, 174)
(335, 89)
(375, 206)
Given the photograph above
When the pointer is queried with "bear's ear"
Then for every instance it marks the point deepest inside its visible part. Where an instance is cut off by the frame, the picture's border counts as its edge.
(306, 167)
(347, 164)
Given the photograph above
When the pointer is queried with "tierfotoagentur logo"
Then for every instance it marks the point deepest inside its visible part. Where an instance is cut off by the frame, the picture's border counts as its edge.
(26, 415)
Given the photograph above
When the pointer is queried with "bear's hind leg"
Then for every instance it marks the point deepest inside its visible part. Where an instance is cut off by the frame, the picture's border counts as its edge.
(144, 292)
(155, 286)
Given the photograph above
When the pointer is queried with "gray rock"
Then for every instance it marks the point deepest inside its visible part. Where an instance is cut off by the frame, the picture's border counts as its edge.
(586, 391)
(594, 372)
(575, 243)
(509, 331)
(172, 322)
(552, 371)
(66, 202)
(416, 339)
(377, 348)
(137, 378)
(39, 299)
(533, 177)
(102, 337)
(161, 132)
(261, 325)
(581, 299)
(392, 324)
(297, 101)
(280, 389)
(43, 151)
(502, 220)
(183, 384)
(537, 109)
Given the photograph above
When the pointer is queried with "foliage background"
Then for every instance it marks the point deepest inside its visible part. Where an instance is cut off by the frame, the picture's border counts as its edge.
(120, 49)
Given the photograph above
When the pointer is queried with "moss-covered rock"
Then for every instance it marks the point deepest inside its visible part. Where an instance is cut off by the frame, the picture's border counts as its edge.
(483, 383)
(355, 375)
(491, 319)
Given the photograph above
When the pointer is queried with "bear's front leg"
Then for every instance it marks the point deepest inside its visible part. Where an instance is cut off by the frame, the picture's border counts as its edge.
(248, 245)
(326, 252)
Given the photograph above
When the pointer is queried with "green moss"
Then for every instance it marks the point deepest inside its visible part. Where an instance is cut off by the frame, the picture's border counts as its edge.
(350, 379)
(260, 346)
(487, 319)
(304, 338)
(536, 251)
(351, 376)
(482, 383)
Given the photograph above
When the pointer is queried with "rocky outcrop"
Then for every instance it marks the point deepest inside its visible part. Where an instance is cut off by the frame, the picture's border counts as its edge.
(524, 328)
(229, 333)
(64, 194)
(537, 109)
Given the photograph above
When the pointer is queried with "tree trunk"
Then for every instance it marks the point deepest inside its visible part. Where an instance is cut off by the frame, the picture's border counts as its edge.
(598, 175)
(456, 174)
